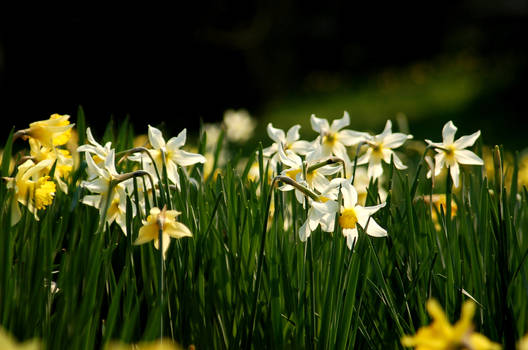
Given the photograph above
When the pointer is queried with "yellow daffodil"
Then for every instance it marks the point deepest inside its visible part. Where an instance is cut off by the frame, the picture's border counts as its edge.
(166, 344)
(7, 342)
(55, 131)
(353, 214)
(452, 153)
(30, 189)
(380, 148)
(62, 158)
(523, 343)
(439, 201)
(441, 335)
(332, 140)
(164, 221)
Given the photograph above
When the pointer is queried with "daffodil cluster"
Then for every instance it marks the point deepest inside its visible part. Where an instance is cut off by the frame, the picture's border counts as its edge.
(47, 165)
(343, 163)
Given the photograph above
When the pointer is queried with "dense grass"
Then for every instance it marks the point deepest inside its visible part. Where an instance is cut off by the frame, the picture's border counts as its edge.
(243, 281)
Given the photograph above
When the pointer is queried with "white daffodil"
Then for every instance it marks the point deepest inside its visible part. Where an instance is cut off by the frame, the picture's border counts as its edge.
(322, 211)
(239, 125)
(288, 141)
(353, 214)
(380, 148)
(332, 140)
(451, 152)
(30, 189)
(315, 179)
(111, 193)
(174, 156)
(98, 152)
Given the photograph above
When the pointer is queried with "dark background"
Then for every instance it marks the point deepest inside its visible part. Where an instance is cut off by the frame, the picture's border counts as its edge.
(181, 65)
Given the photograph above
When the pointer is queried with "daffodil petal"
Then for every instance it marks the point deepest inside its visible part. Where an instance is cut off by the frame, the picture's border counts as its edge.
(467, 157)
(155, 138)
(466, 141)
(448, 133)
(319, 124)
(277, 135)
(338, 124)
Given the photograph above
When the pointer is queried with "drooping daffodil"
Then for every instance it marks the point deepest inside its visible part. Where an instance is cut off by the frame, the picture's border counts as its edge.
(351, 214)
(165, 221)
(110, 189)
(30, 189)
(332, 140)
(55, 131)
(441, 335)
(452, 153)
(97, 151)
(380, 147)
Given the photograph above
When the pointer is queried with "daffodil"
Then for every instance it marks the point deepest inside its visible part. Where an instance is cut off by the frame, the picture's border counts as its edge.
(452, 153)
(439, 202)
(54, 131)
(362, 183)
(322, 211)
(332, 140)
(441, 335)
(352, 214)
(97, 151)
(61, 158)
(239, 125)
(523, 343)
(315, 178)
(110, 197)
(164, 221)
(380, 147)
(30, 189)
(7, 342)
(288, 141)
(174, 156)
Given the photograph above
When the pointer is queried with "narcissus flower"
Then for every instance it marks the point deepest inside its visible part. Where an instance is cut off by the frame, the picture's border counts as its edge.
(30, 189)
(380, 148)
(97, 151)
(441, 335)
(239, 125)
(111, 191)
(353, 214)
(7, 342)
(55, 131)
(174, 156)
(61, 158)
(452, 153)
(165, 221)
(288, 141)
(332, 140)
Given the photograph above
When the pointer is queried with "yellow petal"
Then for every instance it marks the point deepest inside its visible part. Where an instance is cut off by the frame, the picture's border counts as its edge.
(147, 233)
(177, 230)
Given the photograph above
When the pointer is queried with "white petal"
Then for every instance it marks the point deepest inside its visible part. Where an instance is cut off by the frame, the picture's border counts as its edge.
(375, 169)
(289, 158)
(92, 200)
(302, 147)
(448, 133)
(319, 182)
(304, 231)
(275, 134)
(339, 124)
(110, 162)
(351, 237)
(176, 142)
(364, 159)
(387, 130)
(328, 207)
(90, 137)
(340, 151)
(155, 137)
(455, 173)
(349, 195)
(465, 156)
(395, 140)
(374, 229)
(397, 162)
(363, 213)
(172, 173)
(184, 158)
(293, 134)
(352, 137)
(319, 124)
(467, 141)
